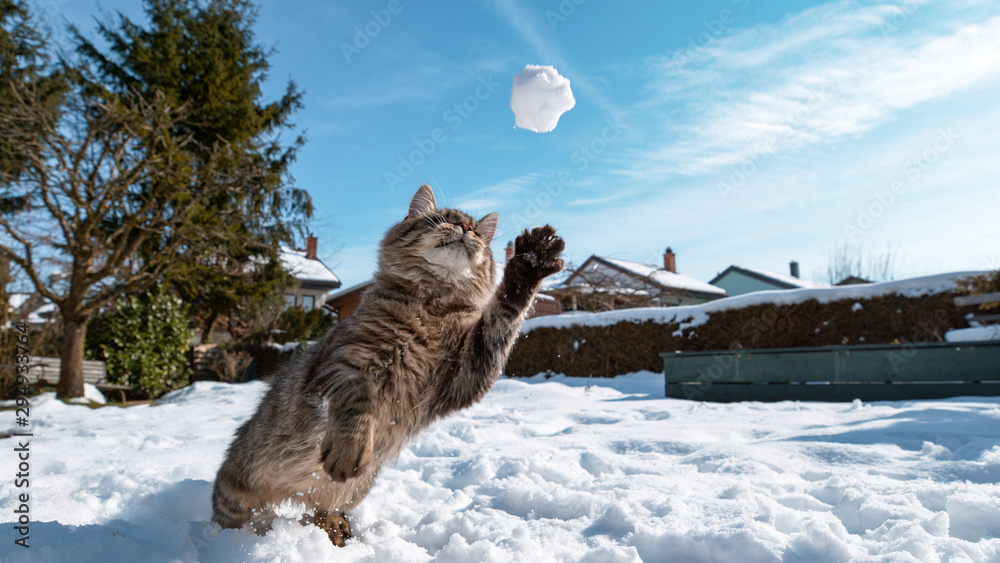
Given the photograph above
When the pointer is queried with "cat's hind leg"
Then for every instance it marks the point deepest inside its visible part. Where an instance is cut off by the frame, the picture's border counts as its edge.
(234, 505)
(229, 506)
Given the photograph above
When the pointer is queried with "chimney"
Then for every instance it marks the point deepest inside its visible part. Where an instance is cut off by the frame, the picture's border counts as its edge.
(794, 266)
(670, 261)
(510, 251)
(311, 247)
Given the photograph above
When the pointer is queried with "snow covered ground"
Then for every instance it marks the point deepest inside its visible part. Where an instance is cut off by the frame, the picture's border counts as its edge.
(542, 470)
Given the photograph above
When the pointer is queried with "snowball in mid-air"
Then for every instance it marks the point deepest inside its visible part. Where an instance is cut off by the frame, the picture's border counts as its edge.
(539, 96)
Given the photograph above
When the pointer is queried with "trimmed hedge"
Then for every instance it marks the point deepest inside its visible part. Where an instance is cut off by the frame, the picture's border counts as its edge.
(629, 346)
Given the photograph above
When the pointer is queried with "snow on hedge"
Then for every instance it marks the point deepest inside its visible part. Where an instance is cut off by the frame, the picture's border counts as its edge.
(694, 315)
(541, 470)
(973, 334)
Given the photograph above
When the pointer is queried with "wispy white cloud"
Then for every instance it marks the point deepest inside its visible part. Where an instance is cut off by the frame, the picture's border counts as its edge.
(498, 197)
(419, 78)
(835, 71)
(597, 200)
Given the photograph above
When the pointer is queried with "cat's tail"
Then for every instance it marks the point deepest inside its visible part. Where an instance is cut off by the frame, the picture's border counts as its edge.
(231, 503)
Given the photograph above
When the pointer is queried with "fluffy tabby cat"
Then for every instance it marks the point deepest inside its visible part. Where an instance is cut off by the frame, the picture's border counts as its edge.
(429, 337)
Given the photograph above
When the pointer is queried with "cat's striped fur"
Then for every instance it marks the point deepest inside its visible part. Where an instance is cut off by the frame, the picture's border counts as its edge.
(429, 337)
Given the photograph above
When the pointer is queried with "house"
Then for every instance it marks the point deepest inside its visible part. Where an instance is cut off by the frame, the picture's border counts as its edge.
(737, 280)
(313, 283)
(602, 284)
(313, 279)
(853, 280)
(343, 303)
(33, 309)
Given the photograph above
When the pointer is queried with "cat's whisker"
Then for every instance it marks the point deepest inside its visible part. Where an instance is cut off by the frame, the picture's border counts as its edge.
(433, 220)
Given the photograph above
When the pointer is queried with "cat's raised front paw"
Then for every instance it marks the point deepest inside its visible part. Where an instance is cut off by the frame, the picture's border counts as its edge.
(540, 248)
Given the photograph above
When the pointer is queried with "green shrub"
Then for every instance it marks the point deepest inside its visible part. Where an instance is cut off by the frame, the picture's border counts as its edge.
(144, 341)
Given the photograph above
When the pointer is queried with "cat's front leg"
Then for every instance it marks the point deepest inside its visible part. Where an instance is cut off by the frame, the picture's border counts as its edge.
(486, 346)
(349, 444)
(536, 255)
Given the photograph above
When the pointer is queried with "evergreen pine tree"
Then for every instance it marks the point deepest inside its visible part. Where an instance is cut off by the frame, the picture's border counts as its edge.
(203, 56)
(24, 71)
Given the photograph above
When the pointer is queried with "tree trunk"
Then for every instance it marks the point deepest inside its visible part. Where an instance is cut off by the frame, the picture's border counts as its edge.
(209, 327)
(71, 359)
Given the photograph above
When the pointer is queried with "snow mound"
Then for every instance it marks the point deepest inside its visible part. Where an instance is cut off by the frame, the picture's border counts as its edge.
(539, 96)
(90, 394)
(973, 334)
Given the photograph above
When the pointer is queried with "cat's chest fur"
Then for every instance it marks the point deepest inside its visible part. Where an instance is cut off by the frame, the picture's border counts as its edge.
(405, 351)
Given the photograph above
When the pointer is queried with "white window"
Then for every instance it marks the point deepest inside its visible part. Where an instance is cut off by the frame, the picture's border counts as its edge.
(308, 301)
(289, 300)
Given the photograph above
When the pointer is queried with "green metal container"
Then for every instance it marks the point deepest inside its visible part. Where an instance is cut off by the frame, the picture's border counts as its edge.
(875, 372)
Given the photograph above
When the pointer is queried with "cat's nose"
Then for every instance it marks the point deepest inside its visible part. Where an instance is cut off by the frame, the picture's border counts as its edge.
(465, 226)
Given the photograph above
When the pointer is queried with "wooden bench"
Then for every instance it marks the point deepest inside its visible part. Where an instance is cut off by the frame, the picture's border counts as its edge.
(45, 371)
(980, 318)
(876, 372)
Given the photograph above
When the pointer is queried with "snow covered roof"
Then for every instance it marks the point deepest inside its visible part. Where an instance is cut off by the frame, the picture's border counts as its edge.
(41, 312)
(16, 300)
(351, 289)
(305, 269)
(663, 278)
(779, 279)
(556, 280)
(694, 315)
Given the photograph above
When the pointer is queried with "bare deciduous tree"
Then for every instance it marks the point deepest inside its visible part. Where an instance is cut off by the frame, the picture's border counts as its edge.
(232, 364)
(849, 260)
(102, 204)
(603, 289)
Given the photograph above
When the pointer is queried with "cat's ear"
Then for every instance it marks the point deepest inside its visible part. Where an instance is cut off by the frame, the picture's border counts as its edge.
(423, 202)
(487, 227)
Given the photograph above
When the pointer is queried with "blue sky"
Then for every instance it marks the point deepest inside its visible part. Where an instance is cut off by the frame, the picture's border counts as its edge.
(734, 131)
